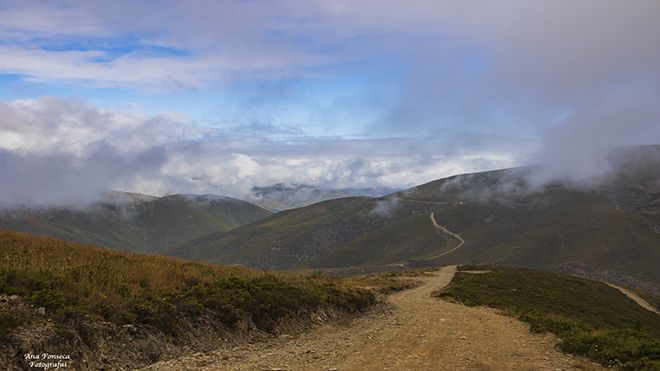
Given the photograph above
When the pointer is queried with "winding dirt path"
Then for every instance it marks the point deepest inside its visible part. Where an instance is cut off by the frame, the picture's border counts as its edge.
(636, 298)
(420, 332)
(444, 230)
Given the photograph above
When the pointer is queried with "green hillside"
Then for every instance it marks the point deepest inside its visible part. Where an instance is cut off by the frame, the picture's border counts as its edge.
(592, 318)
(607, 230)
(137, 224)
(337, 233)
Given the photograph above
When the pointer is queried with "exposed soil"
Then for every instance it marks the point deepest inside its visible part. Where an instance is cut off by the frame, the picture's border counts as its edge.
(418, 332)
(443, 230)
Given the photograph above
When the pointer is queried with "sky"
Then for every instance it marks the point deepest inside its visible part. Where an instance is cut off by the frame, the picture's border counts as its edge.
(199, 96)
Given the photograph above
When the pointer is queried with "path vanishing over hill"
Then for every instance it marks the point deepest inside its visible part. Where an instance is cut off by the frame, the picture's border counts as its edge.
(420, 332)
(446, 231)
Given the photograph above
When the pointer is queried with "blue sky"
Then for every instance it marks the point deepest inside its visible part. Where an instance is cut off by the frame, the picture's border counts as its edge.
(390, 93)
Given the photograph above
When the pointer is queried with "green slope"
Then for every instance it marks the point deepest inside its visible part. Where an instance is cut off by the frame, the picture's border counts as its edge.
(592, 318)
(148, 225)
(608, 231)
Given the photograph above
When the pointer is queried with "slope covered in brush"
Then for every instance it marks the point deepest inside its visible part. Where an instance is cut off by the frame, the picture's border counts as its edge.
(136, 309)
(145, 223)
(592, 318)
(607, 229)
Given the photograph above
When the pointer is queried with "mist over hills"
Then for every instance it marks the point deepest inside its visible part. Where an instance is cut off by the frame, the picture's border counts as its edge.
(135, 222)
(283, 196)
(607, 227)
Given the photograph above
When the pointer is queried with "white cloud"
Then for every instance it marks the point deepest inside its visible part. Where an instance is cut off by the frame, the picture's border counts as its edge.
(61, 151)
(553, 46)
(587, 74)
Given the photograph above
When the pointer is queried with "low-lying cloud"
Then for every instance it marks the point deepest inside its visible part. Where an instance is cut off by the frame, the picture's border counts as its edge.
(56, 151)
(578, 150)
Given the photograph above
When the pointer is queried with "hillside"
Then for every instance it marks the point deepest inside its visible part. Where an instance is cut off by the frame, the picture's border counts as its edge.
(603, 324)
(423, 332)
(609, 229)
(281, 196)
(108, 309)
(135, 222)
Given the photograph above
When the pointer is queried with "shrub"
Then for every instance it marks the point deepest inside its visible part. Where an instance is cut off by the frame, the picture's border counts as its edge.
(71, 281)
(10, 318)
(602, 325)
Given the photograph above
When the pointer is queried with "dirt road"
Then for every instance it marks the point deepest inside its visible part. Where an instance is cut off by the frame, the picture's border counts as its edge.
(636, 298)
(420, 332)
(446, 231)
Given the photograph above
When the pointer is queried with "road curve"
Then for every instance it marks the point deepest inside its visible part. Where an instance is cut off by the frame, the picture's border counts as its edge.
(446, 231)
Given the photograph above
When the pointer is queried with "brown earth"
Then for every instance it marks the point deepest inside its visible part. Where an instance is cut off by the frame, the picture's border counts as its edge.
(442, 230)
(418, 332)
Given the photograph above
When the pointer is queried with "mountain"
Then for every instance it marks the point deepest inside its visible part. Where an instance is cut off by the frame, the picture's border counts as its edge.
(282, 196)
(609, 229)
(135, 222)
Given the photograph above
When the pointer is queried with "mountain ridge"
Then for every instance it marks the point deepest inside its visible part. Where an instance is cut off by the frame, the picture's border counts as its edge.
(135, 222)
(606, 230)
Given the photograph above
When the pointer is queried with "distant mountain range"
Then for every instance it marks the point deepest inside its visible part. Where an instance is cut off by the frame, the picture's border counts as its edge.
(135, 222)
(145, 223)
(290, 196)
(608, 230)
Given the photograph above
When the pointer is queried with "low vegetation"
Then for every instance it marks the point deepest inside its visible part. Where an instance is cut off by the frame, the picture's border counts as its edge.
(590, 317)
(74, 282)
(148, 224)
(388, 282)
(652, 299)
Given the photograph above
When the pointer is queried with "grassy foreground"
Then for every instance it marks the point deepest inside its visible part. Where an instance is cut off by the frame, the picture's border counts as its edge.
(591, 318)
(74, 282)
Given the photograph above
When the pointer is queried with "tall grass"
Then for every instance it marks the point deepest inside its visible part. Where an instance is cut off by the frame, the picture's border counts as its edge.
(72, 281)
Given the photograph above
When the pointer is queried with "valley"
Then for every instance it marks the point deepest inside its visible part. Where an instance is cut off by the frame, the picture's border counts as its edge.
(329, 185)
(607, 231)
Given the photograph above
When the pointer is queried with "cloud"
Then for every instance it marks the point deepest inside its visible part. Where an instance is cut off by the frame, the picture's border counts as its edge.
(64, 179)
(451, 86)
(579, 149)
(58, 151)
(555, 46)
(385, 208)
(113, 46)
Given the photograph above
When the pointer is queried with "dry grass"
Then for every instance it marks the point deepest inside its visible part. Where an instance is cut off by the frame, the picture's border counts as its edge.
(72, 281)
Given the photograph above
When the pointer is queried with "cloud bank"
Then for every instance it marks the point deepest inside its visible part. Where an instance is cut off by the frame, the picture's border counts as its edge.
(57, 151)
(441, 87)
